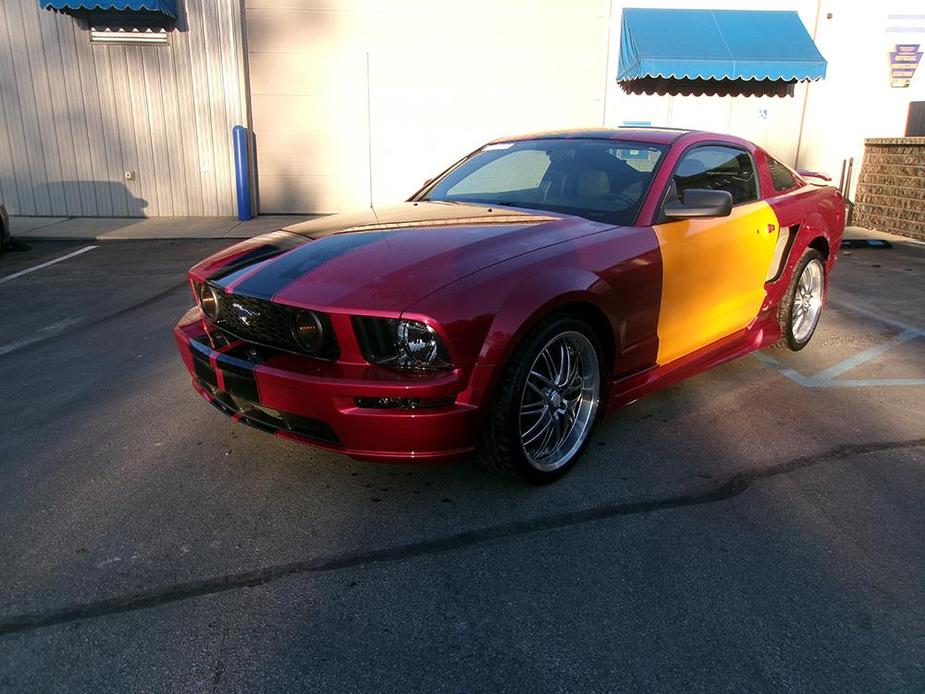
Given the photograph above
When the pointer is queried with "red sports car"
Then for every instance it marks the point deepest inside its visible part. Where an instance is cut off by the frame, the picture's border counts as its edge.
(534, 284)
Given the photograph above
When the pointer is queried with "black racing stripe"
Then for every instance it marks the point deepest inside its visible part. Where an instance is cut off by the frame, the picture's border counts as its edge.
(202, 367)
(240, 382)
(296, 263)
(254, 256)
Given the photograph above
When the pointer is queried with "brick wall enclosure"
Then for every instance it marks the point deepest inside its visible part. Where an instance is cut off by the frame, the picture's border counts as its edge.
(891, 188)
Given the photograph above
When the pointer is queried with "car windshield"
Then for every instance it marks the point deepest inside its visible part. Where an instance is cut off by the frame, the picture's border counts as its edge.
(602, 180)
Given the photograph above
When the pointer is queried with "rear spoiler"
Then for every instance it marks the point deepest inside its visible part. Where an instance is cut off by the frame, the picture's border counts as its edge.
(814, 174)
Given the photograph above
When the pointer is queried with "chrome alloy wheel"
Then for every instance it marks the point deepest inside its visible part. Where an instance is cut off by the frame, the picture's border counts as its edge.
(559, 401)
(807, 301)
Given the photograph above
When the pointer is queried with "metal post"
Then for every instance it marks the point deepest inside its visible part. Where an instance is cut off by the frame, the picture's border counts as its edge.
(848, 202)
(242, 173)
(848, 178)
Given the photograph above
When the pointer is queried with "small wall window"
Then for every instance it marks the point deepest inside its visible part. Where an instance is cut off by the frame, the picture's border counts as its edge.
(128, 27)
(915, 124)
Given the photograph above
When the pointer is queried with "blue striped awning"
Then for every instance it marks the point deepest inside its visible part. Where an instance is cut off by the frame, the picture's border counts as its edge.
(166, 7)
(717, 45)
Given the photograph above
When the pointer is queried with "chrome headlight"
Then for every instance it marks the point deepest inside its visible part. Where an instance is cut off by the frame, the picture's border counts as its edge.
(208, 300)
(401, 343)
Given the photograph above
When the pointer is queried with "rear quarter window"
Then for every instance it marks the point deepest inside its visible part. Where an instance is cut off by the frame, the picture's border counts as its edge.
(782, 178)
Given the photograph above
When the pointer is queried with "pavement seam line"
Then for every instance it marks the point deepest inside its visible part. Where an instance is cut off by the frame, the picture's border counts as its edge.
(732, 487)
(13, 347)
(43, 226)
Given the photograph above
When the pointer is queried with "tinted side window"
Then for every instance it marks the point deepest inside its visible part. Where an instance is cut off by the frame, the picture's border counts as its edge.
(714, 167)
(781, 177)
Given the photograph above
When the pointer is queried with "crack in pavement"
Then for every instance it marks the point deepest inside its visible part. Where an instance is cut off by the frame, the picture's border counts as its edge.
(732, 487)
(78, 326)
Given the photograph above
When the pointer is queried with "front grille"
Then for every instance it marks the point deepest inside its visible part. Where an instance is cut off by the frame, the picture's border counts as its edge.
(270, 324)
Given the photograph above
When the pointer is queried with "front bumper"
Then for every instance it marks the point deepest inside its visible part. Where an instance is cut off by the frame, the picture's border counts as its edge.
(314, 401)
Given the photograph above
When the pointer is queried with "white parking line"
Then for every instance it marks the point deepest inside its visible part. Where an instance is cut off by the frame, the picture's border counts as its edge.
(829, 378)
(45, 264)
(846, 365)
(847, 305)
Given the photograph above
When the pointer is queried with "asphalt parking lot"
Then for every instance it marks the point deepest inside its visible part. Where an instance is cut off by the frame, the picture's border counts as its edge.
(758, 527)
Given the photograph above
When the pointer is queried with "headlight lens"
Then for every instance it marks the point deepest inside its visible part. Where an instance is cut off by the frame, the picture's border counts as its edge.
(308, 332)
(401, 343)
(208, 301)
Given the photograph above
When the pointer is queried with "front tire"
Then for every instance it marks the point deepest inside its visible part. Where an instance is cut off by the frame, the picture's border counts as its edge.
(546, 403)
(801, 306)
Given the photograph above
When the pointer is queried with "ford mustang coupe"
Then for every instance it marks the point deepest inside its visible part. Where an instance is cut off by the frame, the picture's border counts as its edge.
(534, 284)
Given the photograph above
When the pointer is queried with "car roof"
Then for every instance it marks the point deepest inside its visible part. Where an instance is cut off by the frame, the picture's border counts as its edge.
(658, 136)
(661, 136)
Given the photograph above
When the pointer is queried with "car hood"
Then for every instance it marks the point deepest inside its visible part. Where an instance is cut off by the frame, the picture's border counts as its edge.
(384, 259)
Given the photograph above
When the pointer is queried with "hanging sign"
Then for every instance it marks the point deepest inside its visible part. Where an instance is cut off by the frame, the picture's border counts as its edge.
(903, 62)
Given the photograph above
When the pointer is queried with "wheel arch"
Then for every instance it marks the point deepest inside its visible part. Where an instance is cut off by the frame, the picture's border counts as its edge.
(813, 233)
(579, 293)
(597, 320)
(821, 244)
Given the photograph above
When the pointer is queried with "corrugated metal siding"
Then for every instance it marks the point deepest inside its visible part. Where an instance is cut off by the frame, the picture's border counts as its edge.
(75, 116)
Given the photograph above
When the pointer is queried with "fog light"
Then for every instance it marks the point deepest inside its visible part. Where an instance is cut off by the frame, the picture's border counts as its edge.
(208, 301)
(306, 327)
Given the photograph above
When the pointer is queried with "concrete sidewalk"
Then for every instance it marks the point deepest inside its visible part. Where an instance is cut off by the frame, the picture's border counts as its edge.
(111, 228)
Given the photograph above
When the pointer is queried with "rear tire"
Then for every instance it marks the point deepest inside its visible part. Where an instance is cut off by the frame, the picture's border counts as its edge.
(801, 307)
(546, 403)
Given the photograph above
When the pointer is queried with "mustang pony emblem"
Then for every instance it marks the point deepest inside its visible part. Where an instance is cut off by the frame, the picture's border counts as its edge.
(244, 314)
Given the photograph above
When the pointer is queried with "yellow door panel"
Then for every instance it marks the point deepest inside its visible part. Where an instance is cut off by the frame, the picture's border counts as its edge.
(713, 275)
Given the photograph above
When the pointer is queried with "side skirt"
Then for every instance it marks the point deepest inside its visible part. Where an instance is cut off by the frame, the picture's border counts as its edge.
(629, 389)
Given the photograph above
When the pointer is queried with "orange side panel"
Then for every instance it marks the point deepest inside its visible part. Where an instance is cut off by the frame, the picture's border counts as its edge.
(713, 275)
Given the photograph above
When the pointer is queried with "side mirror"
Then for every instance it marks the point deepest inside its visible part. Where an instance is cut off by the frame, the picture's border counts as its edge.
(700, 203)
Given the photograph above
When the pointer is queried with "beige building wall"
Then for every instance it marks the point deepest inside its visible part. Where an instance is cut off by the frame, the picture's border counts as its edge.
(856, 100)
(772, 122)
(76, 116)
(360, 101)
(357, 101)
(825, 122)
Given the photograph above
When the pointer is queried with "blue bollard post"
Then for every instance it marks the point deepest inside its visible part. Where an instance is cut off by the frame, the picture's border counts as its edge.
(242, 173)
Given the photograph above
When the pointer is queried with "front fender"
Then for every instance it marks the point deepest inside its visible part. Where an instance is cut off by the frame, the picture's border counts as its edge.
(519, 304)
(537, 296)
(615, 274)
